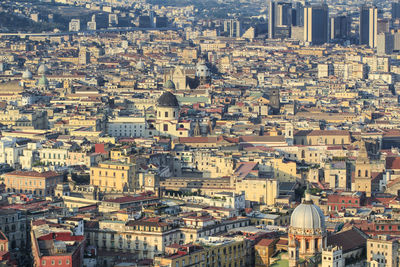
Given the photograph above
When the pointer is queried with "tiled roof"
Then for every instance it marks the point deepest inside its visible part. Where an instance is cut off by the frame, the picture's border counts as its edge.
(348, 239)
(46, 174)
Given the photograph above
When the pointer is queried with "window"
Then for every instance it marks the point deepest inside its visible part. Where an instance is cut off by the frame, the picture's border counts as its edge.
(43, 262)
(166, 114)
(66, 261)
(165, 127)
(59, 262)
(53, 262)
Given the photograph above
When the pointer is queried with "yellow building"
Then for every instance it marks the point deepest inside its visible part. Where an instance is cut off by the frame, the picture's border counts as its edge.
(31, 182)
(263, 191)
(146, 237)
(363, 175)
(382, 251)
(213, 166)
(322, 137)
(284, 170)
(22, 119)
(263, 250)
(113, 176)
(270, 219)
(209, 251)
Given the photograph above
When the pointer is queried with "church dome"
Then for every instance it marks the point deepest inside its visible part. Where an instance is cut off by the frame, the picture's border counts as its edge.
(169, 85)
(27, 74)
(307, 216)
(43, 69)
(167, 99)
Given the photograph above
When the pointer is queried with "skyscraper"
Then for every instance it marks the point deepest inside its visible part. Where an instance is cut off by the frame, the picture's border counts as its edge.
(280, 19)
(395, 10)
(339, 27)
(316, 18)
(368, 25)
(271, 20)
(283, 14)
(298, 13)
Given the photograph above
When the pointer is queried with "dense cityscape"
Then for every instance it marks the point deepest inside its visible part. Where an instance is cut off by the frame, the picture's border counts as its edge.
(209, 133)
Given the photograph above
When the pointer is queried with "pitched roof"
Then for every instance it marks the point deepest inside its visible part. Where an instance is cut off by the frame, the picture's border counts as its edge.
(265, 242)
(349, 239)
(393, 163)
(46, 174)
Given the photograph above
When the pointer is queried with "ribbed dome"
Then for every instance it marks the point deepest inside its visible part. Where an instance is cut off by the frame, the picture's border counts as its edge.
(43, 69)
(169, 85)
(168, 99)
(307, 216)
(27, 74)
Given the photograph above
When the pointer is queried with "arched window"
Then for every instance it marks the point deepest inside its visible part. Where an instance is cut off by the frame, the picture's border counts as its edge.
(359, 173)
(303, 154)
(334, 141)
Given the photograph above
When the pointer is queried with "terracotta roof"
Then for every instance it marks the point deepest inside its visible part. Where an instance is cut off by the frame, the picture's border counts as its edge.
(348, 239)
(46, 174)
(393, 163)
(265, 242)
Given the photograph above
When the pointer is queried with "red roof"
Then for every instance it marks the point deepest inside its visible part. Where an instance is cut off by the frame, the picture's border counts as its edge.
(46, 174)
(393, 163)
(265, 242)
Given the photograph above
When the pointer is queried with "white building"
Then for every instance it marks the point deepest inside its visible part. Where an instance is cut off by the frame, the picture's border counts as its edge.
(332, 257)
(10, 151)
(127, 127)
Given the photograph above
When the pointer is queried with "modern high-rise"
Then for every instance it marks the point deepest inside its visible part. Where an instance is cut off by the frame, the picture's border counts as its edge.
(271, 20)
(283, 14)
(368, 25)
(298, 13)
(339, 27)
(233, 28)
(395, 10)
(280, 19)
(385, 43)
(316, 18)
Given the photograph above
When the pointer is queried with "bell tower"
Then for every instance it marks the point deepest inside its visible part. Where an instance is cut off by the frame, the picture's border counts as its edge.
(362, 176)
(293, 253)
(274, 101)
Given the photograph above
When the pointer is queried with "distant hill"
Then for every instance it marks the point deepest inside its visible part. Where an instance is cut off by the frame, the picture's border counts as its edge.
(17, 23)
